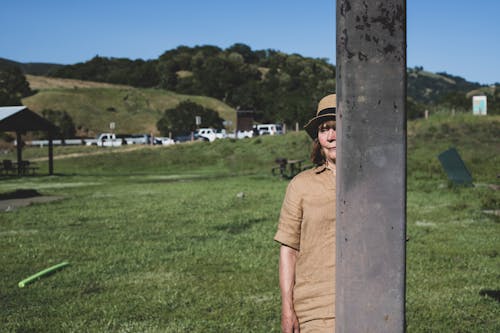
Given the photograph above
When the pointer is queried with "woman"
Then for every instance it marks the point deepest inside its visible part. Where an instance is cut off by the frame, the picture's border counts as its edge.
(306, 232)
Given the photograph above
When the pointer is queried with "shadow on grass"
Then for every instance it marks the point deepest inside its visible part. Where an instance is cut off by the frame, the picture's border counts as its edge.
(19, 194)
(238, 226)
(495, 294)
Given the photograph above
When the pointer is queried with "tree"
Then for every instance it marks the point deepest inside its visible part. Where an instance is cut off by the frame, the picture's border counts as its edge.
(63, 121)
(414, 109)
(13, 86)
(168, 74)
(455, 100)
(182, 119)
(245, 51)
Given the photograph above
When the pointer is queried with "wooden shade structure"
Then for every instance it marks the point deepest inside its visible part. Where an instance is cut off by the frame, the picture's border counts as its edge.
(20, 119)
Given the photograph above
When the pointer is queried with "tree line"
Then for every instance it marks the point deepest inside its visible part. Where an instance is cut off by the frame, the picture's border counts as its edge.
(278, 87)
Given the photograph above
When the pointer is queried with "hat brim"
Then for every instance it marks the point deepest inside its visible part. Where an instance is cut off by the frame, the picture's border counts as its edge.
(312, 126)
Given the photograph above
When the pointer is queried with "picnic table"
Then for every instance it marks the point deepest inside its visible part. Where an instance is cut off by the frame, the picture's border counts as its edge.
(287, 168)
(22, 168)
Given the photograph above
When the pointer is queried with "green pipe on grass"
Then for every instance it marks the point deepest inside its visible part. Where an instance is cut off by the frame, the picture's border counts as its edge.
(42, 273)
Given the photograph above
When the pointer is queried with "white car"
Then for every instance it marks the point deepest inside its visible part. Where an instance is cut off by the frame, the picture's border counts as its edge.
(165, 141)
(211, 134)
(269, 129)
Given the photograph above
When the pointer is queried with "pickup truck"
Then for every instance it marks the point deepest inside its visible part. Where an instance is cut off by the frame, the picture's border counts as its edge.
(105, 140)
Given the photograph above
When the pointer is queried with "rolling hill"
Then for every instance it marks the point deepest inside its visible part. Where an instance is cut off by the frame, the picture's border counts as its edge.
(94, 105)
(35, 68)
(279, 87)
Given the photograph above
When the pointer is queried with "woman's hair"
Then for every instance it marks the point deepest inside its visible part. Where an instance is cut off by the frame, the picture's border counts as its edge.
(317, 155)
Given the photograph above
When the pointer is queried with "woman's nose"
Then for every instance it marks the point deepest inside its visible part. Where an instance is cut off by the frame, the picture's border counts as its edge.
(332, 135)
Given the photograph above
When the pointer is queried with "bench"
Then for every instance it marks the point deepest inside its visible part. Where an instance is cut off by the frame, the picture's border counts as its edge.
(23, 168)
(26, 167)
(287, 168)
(7, 166)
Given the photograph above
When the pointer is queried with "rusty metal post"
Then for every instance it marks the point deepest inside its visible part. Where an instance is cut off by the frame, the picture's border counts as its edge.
(371, 183)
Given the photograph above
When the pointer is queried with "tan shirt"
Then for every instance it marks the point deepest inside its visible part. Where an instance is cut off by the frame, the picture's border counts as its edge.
(307, 224)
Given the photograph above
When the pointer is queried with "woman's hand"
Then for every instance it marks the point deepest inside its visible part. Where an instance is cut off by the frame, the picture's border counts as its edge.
(289, 321)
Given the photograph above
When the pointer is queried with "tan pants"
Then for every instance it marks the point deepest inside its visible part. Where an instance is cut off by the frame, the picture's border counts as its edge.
(318, 326)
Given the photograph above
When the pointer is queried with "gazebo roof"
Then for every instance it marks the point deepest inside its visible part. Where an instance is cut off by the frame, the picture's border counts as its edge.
(22, 119)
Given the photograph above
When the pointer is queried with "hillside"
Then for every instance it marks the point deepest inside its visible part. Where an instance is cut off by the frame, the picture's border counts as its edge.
(34, 68)
(279, 87)
(427, 87)
(93, 105)
(274, 83)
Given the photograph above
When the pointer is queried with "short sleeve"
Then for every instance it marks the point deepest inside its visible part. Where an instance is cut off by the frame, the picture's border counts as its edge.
(290, 218)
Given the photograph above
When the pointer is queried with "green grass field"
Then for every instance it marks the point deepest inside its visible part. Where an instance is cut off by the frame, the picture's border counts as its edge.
(179, 239)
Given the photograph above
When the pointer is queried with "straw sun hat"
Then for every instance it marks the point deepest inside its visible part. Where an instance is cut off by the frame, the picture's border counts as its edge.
(327, 107)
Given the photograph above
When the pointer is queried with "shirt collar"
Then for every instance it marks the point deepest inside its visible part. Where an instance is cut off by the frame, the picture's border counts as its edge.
(320, 168)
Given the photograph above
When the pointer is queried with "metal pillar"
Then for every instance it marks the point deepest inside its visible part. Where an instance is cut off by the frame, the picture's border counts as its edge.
(371, 181)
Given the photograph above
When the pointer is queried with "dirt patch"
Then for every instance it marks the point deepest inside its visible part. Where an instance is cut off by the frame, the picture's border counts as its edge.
(21, 198)
(100, 152)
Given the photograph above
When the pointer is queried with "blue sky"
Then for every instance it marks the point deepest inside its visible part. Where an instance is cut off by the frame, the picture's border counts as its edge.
(454, 36)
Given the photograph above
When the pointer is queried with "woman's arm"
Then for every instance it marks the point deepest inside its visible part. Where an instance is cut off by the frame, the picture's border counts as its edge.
(289, 321)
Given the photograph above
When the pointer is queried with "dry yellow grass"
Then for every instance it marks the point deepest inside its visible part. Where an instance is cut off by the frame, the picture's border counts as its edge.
(184, 74)
(44, 82)
(93, 105)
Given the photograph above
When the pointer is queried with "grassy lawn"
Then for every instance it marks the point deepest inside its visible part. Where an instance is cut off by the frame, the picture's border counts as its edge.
(179, 239)
(147, 253)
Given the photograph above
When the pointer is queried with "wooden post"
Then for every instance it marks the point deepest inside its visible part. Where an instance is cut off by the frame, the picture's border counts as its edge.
(51, 155)
(19, 149)
(371, 166)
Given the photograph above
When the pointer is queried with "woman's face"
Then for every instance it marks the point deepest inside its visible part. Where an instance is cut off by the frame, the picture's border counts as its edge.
(327, 137)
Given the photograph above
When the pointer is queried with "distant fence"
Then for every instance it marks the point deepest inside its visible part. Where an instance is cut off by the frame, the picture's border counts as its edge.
(67, 142)
(80, 142)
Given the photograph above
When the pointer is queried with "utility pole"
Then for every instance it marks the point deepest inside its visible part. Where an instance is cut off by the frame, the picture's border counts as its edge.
(371, 165)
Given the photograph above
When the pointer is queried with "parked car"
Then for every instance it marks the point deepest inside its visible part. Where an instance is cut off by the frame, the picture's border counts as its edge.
(208, 133)
(211, 134)
(165, 141)
(189, 137)
(221, 133)
(240, 135)
(105, 140)
(269, 129)
(134, 139)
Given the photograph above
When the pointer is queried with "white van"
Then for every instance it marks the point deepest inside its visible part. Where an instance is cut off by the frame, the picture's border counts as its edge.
(269, 129)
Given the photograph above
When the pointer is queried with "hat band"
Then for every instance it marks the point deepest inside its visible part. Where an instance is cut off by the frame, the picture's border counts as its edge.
(326, 111)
